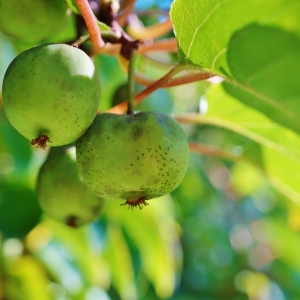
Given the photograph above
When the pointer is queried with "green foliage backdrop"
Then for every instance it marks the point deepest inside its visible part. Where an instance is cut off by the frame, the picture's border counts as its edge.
(231, 228)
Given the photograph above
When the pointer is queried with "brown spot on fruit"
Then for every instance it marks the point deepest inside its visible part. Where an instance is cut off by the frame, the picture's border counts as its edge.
(71, 222)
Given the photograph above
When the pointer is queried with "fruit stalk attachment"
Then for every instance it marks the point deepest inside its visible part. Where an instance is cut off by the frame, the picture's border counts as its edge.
(120, 108)
(130, 84)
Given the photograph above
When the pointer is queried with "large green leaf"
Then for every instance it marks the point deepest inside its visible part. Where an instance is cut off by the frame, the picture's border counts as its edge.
(153, 232)
(204, 28)
(253, 44)
(280, 147)
(265, 77)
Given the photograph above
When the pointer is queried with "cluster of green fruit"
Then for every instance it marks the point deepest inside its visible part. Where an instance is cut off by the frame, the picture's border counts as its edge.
(51, 94)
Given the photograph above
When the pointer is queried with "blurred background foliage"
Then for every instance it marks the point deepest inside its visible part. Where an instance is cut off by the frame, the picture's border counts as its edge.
(224, 233)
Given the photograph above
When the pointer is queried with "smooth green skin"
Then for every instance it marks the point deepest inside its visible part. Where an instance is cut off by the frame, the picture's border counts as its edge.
(31, 20)
(19, 210)
(61, 192)
(52, 90)
(144, 155)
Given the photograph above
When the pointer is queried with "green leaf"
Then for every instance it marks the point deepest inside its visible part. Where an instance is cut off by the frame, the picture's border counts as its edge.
(282, 241)
(254, 45)
(27, 280)
(264, 63)
(280, 147)
(153, 231)
(156, 238)
(204, 28)
(118, 256)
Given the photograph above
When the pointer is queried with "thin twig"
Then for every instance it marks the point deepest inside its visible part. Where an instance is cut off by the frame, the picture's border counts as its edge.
(81, 40)
(121, 108)
(151, 32)
(91, 23)
(159, 63)
(178, 80)
(130, 83)
(122, 17)
(161, 45)
(202, 149)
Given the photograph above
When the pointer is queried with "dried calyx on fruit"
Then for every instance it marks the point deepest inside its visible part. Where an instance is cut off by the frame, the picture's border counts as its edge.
(133, 157)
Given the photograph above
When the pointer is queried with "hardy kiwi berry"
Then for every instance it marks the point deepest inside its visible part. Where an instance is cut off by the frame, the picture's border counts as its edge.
(133, 157)
(51, 93)
(61, 192)
(32, 21)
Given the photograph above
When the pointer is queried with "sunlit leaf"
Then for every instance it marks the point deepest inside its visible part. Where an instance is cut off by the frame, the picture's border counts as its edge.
(31, 277)
(153, 231)
(280, 147)
(204, 28)
(279, 238)
(241, 41)
(118, 256)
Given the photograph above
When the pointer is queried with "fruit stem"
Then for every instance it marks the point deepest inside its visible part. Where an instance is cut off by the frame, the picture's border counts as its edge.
(118, 109)
(91, 23)
(130, 84)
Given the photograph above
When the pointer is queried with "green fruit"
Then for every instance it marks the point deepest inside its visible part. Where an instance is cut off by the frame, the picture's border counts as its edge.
(31, 20)
(133, 157)
(61, 192)
(51, 93)
(19, 210)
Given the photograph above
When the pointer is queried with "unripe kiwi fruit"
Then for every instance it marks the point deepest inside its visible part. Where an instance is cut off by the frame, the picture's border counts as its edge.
(32, 21)
(133, 157)
(61, 192)
(51, 93)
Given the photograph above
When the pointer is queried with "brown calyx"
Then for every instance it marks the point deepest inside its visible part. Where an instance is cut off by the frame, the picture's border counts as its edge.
(41, 142)
(71, 222)
(136, 203)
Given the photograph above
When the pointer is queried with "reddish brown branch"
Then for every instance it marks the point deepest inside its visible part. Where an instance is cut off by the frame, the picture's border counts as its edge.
(163, 45)
(128, 7)
(202, 149)
(121, 108)
(151, 32)
(91, 23)
(178, 80)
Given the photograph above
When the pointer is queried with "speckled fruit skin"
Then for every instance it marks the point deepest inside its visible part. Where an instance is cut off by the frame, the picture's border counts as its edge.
(52, 90)
(32, 21)
(61, 192)
(131, 157)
